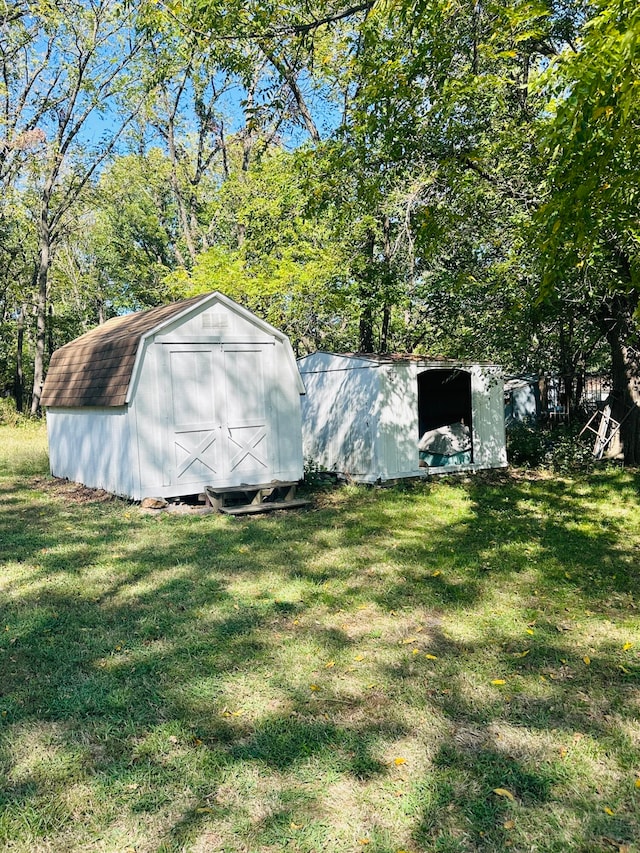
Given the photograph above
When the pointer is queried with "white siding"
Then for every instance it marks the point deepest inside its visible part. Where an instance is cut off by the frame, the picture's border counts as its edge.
(284, 404)
(489, 440)
(340, 416)
(92, 446)
(216, 323)
(400, 421)
(215, 400)
(360, 416)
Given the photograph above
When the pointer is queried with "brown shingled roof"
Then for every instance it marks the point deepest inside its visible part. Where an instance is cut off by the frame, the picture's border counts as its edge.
(96, 368)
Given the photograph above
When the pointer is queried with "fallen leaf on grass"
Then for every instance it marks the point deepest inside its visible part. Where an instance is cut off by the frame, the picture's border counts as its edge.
(363, 841)
(431, 657)
(587, 659)
(415, 651)
(436, 573)
(398, 761)
(503, 792)
(409, 640)
(627, 646)
(359, 657)
(530, 631)
(609, 811)
(313, 687)
(293, 825)
(637, 783)
(498, 681)
(521, 654)
(329, 664)
(509, 824)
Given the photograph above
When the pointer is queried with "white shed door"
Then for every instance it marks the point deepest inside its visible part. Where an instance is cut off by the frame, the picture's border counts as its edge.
(247, 419)
(216, 414)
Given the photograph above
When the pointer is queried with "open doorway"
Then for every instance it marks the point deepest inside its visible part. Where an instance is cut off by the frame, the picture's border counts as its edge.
(444, 417)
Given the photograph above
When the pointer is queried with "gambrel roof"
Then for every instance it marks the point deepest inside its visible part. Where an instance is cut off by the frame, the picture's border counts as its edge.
(96, 368)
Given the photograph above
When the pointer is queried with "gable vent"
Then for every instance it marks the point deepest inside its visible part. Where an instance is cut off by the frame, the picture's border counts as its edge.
(215, 320)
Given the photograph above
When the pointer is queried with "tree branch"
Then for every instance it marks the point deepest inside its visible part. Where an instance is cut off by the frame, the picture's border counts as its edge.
(277, 32)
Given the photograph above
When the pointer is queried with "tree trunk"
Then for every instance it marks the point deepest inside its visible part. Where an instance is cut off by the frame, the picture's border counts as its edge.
(366, 297)
(42, 297)
(50, 339)
(386, 324)
(386, 308)
(183, 212)
(18, 386)
(618, 326)
(366, 343)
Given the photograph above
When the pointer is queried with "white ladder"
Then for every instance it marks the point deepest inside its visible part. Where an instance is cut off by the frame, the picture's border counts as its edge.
(606, 429)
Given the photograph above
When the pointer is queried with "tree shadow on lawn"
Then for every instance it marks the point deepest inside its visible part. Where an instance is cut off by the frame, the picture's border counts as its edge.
(168, 666)
(544, 528)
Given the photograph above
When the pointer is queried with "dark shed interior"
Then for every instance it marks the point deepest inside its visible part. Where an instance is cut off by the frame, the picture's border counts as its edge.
(444, 397)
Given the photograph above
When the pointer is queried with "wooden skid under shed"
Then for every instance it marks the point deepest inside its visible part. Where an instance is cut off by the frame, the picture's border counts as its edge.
(250, 499)
(251, 509)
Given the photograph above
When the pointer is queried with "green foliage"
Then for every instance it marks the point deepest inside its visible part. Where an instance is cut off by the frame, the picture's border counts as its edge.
(590, 217)
(134, 236)
(561, 449)
(316, 476)
(438, 145)
(569, 452)
(526, 444)
(9, 416)
(272, 257)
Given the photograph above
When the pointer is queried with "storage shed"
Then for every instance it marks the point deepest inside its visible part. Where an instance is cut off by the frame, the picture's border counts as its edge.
(168, 401)
(373, 418)
(521, 399)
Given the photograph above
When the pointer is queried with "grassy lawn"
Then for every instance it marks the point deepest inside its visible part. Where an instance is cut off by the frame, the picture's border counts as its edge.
(452, 667)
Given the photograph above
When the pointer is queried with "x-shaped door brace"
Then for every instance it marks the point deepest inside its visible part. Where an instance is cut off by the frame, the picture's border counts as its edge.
(248, 448)
(196, 455)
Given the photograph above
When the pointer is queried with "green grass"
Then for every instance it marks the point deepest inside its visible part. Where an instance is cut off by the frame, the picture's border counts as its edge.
(359, 676)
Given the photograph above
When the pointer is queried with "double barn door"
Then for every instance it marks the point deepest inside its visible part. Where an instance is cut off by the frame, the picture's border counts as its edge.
(217, 414)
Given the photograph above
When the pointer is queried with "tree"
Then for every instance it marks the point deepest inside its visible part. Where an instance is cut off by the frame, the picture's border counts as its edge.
(271, 256)
(17, 270)
(589, 221)
(434, 170)
(68, 68)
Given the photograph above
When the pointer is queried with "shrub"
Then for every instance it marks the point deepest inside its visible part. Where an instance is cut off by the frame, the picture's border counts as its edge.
(526, 444)
(568, 451)
(316, 475)
(561, 449)
(9, 416)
